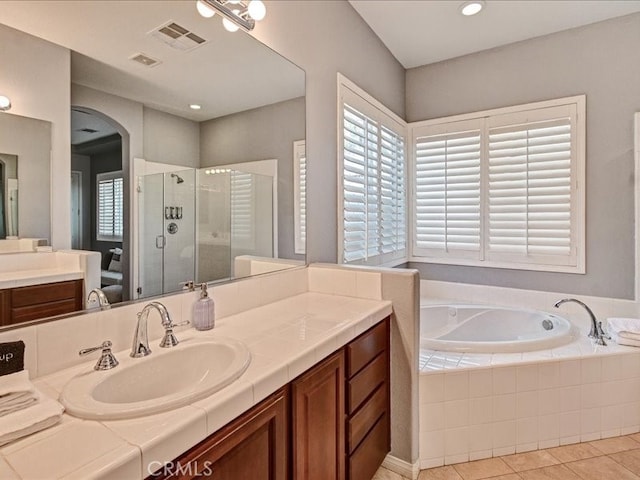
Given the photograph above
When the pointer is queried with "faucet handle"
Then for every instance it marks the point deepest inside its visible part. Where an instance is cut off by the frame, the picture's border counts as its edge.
(107, 360)
(169, 340)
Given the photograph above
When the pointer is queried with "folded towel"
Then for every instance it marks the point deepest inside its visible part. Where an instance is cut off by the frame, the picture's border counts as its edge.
(16, 392)
(620, 340)
(627, 326)
(43, 414)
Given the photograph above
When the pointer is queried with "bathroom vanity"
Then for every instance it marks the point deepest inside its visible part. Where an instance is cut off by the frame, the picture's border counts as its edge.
(330, 422)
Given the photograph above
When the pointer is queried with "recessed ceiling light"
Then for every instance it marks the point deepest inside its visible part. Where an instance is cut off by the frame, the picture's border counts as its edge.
(195, 106)
(471, 8)
(5, 103)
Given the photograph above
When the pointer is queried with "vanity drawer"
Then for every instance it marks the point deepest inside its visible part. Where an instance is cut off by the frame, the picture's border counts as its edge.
(366, 347)
(47, 293)
(360, 424)
(364, 462)
(365, 382)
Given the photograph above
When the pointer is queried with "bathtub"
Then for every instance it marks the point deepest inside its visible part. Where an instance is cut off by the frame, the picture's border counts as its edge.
(484, 329)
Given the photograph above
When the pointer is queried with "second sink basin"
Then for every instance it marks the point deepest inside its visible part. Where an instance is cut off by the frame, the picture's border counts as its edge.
(166, 379)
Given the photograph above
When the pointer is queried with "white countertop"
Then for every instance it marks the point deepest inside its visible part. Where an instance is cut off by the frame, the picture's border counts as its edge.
(23, 278)
(285, 338)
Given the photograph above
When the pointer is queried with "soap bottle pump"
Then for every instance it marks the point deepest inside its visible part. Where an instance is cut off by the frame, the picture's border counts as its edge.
(204, 315)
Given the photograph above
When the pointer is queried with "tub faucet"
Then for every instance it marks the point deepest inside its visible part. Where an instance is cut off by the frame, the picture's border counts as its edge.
(140, 347)
(596, 327)
(103, 302)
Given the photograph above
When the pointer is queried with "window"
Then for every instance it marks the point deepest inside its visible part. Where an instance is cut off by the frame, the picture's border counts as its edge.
(503, 188)
(109, 205)
(300, 195)
(243, 215)
(372, 194)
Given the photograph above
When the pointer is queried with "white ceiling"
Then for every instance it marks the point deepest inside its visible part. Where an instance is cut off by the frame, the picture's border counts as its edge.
(419, 32)
(232, 72)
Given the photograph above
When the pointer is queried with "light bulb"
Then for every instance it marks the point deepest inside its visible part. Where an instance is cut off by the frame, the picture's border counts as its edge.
(229, 25)
(471, 8)
(257, 10)
(5, 103)
(205, 10)
(195, 106)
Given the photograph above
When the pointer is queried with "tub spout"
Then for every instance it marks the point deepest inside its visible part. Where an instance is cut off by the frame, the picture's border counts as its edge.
(596, 328)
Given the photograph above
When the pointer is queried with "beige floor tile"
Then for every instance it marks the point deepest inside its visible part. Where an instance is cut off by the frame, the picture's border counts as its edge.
(554, 472)
(440, 473)
(384, 474)
(629, 458)
(615, 444)
(571, 453)
(491, 467)
(510, 476)
(530, 460)
(601, 468)
(635, 436)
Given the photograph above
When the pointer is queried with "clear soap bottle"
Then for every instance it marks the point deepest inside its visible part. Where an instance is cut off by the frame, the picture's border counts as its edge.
(204, 315)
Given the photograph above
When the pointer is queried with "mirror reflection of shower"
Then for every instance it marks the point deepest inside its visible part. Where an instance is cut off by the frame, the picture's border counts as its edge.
(178, 177)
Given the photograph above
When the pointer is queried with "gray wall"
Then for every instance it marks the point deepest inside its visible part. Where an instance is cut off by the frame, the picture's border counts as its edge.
(170, 139)
(30, 140)
(261, 134)
(325, 38)
(600, 60)
(82, 163)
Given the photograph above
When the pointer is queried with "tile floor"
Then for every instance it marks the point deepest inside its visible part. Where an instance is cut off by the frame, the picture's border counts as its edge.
(616, 458)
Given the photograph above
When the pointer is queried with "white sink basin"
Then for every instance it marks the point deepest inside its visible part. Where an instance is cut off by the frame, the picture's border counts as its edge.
(166, 379)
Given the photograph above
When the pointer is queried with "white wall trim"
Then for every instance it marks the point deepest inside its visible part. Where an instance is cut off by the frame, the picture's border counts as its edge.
(401, 467)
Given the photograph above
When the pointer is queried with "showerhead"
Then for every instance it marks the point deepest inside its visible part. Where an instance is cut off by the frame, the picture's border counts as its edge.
(179, 178)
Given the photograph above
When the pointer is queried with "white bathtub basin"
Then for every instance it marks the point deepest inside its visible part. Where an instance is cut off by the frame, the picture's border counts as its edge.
(484, 329)
(166, 379)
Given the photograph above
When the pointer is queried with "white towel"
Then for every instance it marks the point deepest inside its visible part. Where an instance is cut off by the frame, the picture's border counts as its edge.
(16, 392)
(624, 327)
(620, 340)
(44, 414)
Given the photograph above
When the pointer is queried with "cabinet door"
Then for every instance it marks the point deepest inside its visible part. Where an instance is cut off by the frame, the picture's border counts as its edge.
(319, 421)
(5, 307)
(254, 446)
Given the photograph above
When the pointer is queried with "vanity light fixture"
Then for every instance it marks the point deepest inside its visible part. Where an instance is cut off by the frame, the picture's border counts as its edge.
(5, 103)
(236, 13)
(471, 8)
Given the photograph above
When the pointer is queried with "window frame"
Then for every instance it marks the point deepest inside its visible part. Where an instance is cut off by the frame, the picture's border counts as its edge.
(578, 212)
(369, 106)
(100, 177)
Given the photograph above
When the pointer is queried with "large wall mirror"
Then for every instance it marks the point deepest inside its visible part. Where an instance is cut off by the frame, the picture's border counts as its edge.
(187, 145)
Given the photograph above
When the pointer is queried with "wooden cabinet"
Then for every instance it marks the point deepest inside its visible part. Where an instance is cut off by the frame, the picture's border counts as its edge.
(22, 304)
(252, 446)
(318, 421)
(334, 426)
(368, 407)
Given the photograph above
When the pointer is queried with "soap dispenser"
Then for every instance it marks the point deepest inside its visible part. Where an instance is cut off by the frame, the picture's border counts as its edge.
(204, 315)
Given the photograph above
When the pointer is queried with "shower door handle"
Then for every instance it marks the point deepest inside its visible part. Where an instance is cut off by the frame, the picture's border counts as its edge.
(161, 241)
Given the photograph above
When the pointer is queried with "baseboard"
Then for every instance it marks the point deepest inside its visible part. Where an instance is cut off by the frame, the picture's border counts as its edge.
(401, 467)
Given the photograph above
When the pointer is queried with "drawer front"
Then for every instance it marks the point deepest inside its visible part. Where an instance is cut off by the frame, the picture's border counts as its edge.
(42, 310)
(47, 293)
(364, 383)
(367, 416)
(369, 455)
(365, 348)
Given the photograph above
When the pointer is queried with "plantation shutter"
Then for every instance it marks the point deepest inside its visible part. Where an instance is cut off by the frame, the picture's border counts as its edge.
(110, 206)
(531, 188)
(373, 185)
(242, 209)
(300, 192)
(447, 190)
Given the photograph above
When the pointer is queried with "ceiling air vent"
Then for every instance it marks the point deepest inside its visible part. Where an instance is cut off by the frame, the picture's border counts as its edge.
(178, 37)
(145, 60)
(87, 130)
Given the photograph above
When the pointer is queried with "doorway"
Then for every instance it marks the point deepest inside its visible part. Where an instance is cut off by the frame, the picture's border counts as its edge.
(76, 210)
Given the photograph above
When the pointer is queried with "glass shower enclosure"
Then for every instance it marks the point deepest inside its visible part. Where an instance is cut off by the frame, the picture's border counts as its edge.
(194, 223)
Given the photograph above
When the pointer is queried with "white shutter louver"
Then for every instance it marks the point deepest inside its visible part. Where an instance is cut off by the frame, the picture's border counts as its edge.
(242, 209)
(447, 192)
(374, 204)
(300, 195)
(110, 207)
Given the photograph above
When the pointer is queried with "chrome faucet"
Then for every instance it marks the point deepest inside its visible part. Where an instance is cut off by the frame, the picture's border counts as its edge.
(596, 327)
(103, 302)
(140, 347)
